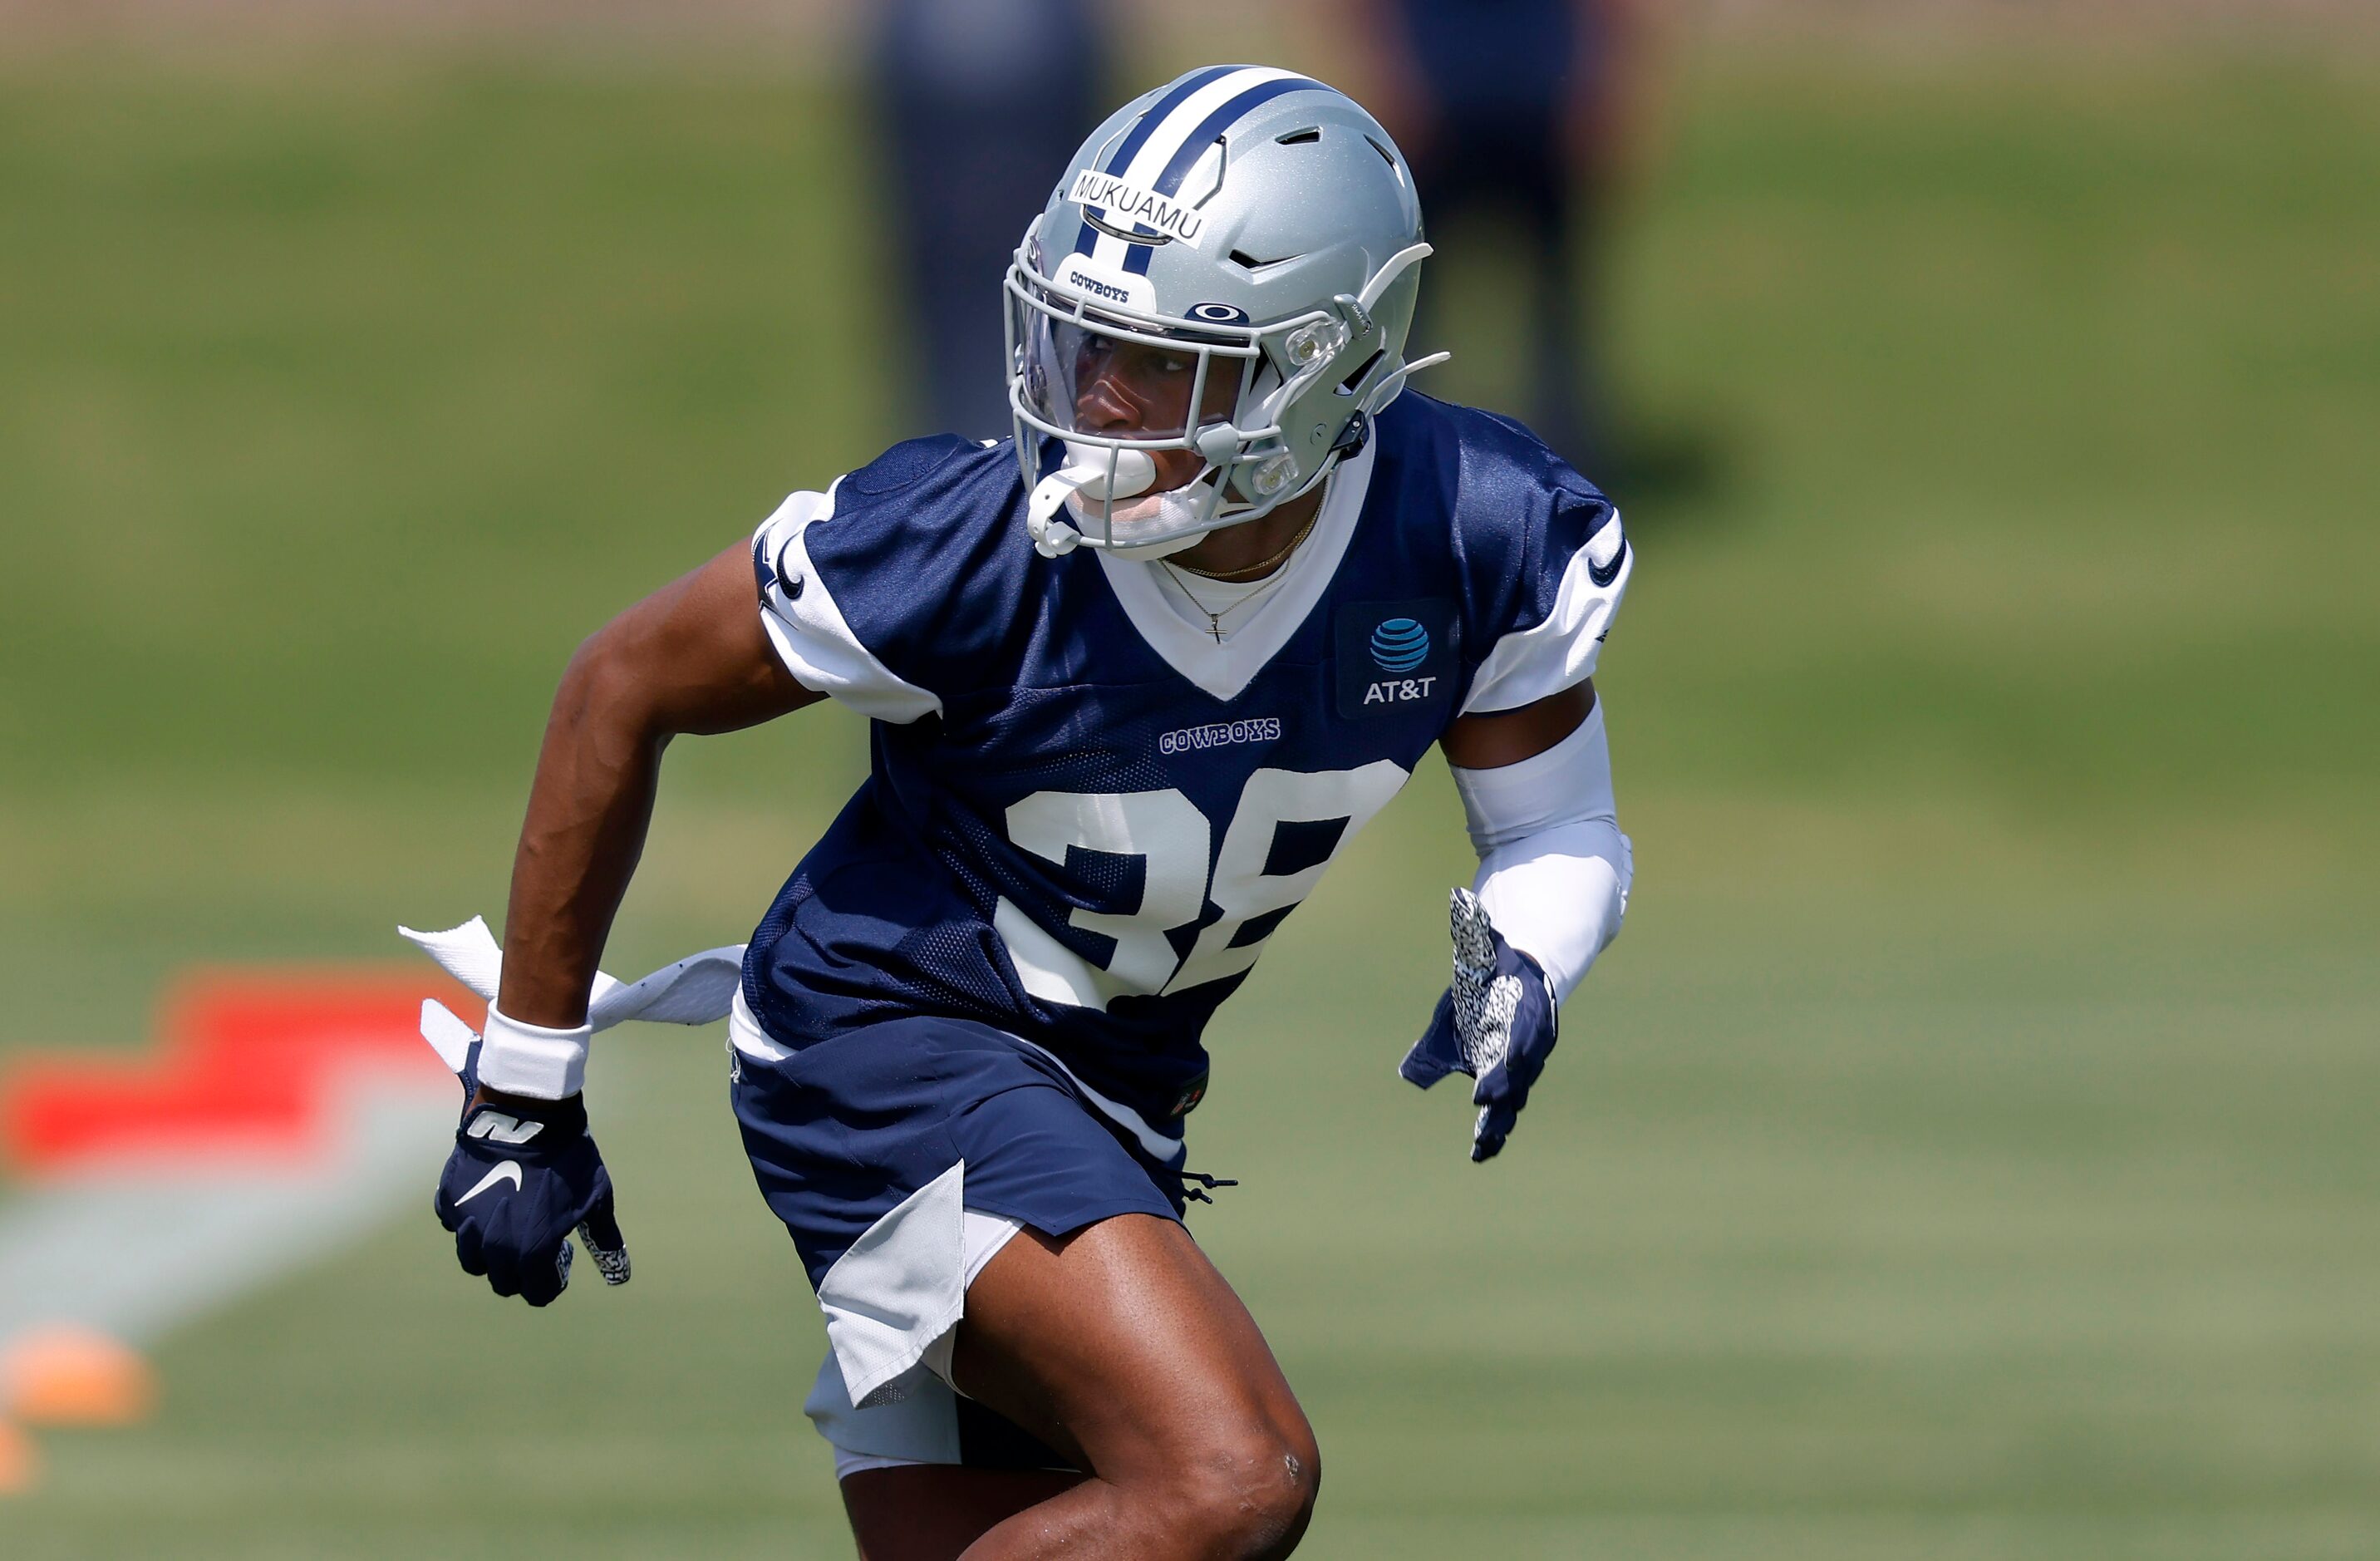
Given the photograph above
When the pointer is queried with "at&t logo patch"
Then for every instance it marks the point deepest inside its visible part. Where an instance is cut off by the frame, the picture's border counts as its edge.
(1395, 657)
(1399, 645)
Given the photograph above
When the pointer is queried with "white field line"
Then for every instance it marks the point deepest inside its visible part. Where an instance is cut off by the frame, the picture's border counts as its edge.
(136, 1251)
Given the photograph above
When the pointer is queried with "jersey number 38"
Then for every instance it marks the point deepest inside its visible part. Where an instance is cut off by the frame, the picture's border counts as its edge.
(1284, 832)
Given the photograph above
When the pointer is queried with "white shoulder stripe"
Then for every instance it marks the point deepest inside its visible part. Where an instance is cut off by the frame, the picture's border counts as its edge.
(809, 632)
(1524, 667)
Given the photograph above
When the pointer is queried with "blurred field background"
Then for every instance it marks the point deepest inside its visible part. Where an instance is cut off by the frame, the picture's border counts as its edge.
(1968, 1150)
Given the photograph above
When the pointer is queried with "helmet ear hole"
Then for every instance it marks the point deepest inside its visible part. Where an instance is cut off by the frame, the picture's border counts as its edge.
(1361, 370)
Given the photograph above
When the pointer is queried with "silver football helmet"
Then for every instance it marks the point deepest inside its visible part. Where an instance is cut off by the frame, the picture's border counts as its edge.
(1229, 268)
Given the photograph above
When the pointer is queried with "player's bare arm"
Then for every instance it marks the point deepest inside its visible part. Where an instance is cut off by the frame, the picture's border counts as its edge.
(1492, 740)
(689, 660)
(524, 1172)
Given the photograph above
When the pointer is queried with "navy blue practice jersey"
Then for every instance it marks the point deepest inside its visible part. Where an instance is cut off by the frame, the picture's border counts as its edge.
(1085, 812)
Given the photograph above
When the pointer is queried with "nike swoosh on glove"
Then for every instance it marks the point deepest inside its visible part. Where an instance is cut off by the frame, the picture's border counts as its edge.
(518, 1185)
(1496, 1024)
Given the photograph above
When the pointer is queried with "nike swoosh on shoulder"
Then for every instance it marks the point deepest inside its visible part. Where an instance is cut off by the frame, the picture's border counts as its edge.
(509, 1171)
(1604, 576)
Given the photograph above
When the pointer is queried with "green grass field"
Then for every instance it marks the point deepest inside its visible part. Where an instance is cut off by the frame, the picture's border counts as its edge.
(1968, 1150)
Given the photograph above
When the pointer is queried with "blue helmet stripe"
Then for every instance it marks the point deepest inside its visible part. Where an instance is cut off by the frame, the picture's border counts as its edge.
(1185, 150)
(1129, 148)
(1194, 146)
(1137, 136)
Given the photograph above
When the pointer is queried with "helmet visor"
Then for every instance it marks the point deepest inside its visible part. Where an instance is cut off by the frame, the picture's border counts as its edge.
(1081, 374)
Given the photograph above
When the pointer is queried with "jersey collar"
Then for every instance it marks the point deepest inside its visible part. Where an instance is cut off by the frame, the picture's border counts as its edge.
(1225, 669)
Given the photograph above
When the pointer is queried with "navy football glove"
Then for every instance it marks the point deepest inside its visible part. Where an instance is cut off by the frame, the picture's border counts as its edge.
(521, 1177)
(1496, 1024)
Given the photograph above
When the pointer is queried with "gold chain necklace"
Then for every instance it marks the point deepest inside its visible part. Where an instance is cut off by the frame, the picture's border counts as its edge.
(1214, 618)
(1256, 570)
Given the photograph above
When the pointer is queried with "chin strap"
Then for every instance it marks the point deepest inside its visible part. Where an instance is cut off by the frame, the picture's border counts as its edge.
(1095, 473)
(1053, 538)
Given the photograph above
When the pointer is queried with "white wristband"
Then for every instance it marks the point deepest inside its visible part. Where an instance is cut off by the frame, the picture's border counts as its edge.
(529, 1059)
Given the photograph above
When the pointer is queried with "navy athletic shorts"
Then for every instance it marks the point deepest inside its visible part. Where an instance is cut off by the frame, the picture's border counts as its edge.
(843, 1130)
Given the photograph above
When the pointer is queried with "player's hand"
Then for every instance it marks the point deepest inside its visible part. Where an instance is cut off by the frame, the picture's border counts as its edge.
(525, 1174)
(1496, 1024)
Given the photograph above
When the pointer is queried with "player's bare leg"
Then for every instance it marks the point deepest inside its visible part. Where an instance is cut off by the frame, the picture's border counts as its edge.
(933, 1511)
(1123, 1348)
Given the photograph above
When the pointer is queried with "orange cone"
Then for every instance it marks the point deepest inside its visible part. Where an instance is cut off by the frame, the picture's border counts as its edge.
(68, 1375)
(21, 1462)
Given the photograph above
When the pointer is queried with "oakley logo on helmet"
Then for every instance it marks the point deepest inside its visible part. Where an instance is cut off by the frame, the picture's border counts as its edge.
(1165, 218)
(1218, 313)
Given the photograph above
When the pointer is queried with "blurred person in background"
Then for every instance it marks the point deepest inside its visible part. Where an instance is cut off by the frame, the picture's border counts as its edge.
(976, 101)
(1520, 110)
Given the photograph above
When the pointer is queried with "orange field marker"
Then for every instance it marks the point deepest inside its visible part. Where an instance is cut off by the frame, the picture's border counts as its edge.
(21, 1461)
(240, 1070)
(68, 1375)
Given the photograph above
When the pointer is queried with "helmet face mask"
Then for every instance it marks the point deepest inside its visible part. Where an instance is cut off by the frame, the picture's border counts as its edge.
(1107, 382)
(1162, 306)
(1084, 373)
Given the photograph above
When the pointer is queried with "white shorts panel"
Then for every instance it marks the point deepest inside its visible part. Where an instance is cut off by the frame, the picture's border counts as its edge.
(913, 1418)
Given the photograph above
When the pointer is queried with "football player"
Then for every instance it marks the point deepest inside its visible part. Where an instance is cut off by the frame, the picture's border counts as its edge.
(1135, 675)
